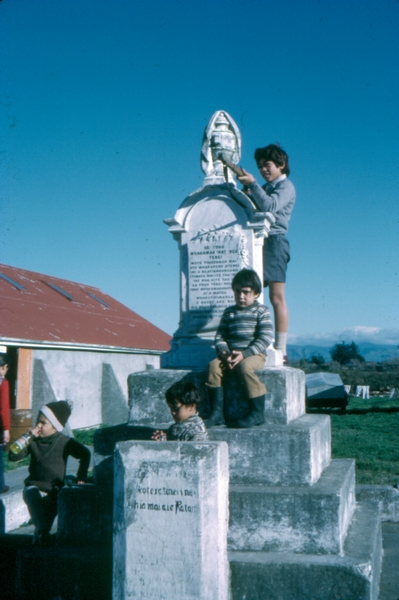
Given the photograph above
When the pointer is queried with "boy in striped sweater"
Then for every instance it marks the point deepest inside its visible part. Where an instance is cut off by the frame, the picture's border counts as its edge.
(244, 332)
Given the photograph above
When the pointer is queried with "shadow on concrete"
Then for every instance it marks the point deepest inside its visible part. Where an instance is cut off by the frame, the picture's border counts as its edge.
(114, 409)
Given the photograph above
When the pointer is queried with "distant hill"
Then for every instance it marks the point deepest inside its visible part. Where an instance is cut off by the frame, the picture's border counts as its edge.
(370, 352)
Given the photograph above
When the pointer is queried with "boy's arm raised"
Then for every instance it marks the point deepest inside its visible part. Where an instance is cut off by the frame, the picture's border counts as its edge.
(245, 178)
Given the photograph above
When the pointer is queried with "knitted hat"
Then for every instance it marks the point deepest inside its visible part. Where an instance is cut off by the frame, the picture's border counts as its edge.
(57, 413)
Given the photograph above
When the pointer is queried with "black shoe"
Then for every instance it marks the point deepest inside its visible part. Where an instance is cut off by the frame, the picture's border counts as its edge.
(5, 489)
(216, 417)
(257, 414)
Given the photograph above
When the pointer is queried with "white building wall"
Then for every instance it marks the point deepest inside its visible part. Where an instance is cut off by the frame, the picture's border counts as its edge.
(90, 379)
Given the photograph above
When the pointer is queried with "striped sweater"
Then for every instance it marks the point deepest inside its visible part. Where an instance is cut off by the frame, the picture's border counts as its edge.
(248, 329)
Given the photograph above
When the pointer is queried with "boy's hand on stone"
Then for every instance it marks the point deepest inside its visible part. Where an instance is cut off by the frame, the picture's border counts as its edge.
(159, 436)
(235, 357)
(246, 179)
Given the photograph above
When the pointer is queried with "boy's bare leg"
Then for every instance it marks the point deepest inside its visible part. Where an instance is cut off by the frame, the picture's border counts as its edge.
(280, 309)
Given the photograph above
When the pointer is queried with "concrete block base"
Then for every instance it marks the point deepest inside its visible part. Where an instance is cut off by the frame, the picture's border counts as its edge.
(84, 516)
(308, 519)
(285, 397)
(15, 511)
(387, 497)
(170, 521)
(64, 573)
(270, 454)
(284, 576)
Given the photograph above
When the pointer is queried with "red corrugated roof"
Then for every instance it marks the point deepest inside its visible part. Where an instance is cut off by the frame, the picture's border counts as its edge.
(40, 313)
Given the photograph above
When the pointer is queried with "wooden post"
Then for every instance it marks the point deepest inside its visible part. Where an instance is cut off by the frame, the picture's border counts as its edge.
(21, 416)
(24, 376)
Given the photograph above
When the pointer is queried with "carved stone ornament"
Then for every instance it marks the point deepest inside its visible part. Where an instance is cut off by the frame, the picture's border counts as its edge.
(220, 135)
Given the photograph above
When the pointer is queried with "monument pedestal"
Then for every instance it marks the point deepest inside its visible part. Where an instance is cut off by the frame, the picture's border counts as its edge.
(170, 521)
(295, 530)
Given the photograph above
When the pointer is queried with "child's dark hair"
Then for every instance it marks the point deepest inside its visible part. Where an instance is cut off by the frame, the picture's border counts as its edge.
(4, 359)
(274, 153)
(185, 392)
(247, 278)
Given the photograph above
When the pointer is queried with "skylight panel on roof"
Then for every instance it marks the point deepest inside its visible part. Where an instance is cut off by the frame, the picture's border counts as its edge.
(59, 290)
(98, 299)
(14, 283)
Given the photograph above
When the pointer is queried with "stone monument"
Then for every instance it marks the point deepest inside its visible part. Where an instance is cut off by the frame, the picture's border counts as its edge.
(219, 232)
(295, 529)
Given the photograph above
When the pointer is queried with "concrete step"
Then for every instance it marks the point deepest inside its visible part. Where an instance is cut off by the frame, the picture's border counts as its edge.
(303, 519)
(285, 397)
(293, 454)
(13, 511)
(354, 575)
(67, 573)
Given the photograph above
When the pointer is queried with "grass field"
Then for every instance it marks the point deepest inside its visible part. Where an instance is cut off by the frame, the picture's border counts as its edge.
(368, 432)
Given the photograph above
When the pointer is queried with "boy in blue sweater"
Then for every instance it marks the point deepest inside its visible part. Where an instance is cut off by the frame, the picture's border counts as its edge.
(278, 197)
(244, 333)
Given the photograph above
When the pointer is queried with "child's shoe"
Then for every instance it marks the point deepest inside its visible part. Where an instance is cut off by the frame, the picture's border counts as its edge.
(257, 414)
(216, 416)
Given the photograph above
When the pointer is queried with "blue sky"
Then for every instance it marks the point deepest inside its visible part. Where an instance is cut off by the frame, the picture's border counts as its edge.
(103, 108)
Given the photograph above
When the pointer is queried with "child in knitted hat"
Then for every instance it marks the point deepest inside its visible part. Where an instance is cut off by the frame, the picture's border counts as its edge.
(49, 453)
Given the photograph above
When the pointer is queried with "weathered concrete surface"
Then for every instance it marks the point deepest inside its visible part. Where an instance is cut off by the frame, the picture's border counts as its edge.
(389, 584)
(293, 454)
(95, 383)
(170, 521)
(386, 496)
(308, 519)
(147, 389)
(288, 576)
(14, 511)
(285, 398)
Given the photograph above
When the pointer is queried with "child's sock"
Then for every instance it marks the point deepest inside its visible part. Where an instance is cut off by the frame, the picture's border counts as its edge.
(281, 341)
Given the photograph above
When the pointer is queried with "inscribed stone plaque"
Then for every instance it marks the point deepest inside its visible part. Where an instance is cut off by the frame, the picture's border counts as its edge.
(214, 258)
(170, 521)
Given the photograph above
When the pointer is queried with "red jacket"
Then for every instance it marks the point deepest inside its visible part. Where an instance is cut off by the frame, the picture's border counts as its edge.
(4, 406)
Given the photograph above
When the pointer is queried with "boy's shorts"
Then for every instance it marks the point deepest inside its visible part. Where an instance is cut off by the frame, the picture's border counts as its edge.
(276, 256)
